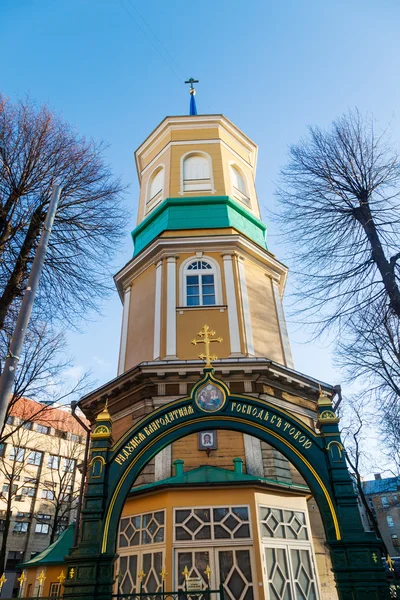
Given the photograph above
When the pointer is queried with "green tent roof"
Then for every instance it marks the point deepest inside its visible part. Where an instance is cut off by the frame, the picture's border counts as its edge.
(209, 475)
(55, 553)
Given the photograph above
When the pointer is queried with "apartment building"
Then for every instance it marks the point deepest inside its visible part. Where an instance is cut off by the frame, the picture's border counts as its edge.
(39, 481)
(383, 495)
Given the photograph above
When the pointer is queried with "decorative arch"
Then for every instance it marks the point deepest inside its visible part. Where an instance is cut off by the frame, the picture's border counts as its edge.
(196, 172)
(155, 188)
(184, 272)
(355, 553)
(239, 184)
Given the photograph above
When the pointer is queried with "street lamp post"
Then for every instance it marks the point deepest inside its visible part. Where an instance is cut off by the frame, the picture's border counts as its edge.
(8, 376)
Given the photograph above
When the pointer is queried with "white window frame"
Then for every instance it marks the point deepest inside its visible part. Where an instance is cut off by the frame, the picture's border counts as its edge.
(236, 193)
(151, 203)
(224, 542)
(216, 271)
(182, 181)
(288, 543)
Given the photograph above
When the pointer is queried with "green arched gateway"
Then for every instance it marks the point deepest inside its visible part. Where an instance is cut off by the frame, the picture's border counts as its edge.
(318, 457)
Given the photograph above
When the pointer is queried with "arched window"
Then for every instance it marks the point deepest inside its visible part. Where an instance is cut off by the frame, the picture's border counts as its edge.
(155, 188)
(196, 172)
(200, 283)
(239, 185)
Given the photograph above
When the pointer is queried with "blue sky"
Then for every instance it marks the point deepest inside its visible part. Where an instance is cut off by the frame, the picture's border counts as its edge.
(115, 69)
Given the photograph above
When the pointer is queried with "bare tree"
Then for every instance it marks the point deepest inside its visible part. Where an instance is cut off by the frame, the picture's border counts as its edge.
(60, 486)
(41, 374)
(355, 437)
(369, 350)
(341, 215)
(39, 468)
(38, 149)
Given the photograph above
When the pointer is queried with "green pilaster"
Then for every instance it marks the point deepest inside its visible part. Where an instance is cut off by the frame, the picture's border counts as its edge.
(356, 557)
(89, 571)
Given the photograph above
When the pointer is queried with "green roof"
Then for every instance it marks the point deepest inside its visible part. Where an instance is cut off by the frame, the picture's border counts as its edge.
(55, 553)
(208, 475)
(198, 212)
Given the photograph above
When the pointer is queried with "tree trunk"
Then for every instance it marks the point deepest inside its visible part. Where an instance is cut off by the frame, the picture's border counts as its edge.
(7, 523)
(13, 289)
(363, 215)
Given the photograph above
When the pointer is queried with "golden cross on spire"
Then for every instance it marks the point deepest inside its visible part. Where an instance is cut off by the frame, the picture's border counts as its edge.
(206, 338)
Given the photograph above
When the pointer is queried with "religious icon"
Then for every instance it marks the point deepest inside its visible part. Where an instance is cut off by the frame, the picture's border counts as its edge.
(210, 398)
(207, 440)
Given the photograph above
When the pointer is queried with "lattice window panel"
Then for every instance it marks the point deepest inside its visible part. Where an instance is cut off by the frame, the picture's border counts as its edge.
(151, 563)
(290, 574)
(137, 530)
(235, 573)
(282, 523)
(212, 523)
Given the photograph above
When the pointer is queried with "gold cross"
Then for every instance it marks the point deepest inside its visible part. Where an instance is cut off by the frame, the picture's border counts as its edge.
(206, 338)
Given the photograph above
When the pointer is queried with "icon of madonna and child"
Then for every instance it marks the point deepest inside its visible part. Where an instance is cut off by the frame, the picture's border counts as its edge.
(210, 398)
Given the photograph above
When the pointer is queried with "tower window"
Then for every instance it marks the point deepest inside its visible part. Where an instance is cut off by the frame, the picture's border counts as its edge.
(239, 187)
(196, 173)
(200, 284)
(155, 189)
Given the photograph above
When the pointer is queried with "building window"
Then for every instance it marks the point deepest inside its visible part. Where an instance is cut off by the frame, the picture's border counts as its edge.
(42, 528)
(385, 502)
(27, 425)
(196, 172)
(55, 590)
(43, 429)
(13, 559)
(142, 529)
(239, 188)
(199, 284)
(43, 517)
(10, 420)
(390, 521)
(6, 488)
(68, 465)
(47, 495)
(285, 524)
(2, 449)
(20, 527)
(75, 438)
(53, 462)
(222, 523)
(35, 458)
(155, 189)
(17, 454)
(28, 491)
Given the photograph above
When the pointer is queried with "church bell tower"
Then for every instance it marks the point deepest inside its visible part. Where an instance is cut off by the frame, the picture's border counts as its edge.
(218, 506)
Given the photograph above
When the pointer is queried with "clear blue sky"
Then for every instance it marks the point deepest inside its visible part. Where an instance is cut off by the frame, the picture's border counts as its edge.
(271, 67)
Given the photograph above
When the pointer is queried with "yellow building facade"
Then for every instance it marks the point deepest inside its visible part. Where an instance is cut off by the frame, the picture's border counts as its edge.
(219, 505)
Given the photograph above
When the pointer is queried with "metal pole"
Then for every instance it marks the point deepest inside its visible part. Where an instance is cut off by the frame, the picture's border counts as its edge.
(8, 376)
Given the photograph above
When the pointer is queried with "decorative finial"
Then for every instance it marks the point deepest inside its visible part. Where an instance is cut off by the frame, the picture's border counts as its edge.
(163, 573)
(21, 579)
(41, 579)
(61, 578)
(104, 415)
(206, 338)
(141, 575)
(186, 573)
(3, 580)
(208, 572)
(192, 92)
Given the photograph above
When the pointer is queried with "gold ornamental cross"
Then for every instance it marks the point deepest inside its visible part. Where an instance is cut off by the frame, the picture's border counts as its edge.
(206, 338)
